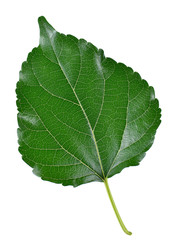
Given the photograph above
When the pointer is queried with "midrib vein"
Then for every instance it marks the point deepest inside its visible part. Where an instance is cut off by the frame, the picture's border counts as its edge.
(92, 132)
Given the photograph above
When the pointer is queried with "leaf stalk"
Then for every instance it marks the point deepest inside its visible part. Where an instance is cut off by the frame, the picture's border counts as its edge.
(115, 208)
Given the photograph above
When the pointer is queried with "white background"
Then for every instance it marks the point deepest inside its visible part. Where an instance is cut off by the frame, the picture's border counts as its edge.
(140, 34)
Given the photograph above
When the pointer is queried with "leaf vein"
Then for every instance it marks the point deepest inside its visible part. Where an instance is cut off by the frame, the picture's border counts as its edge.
(64, 99)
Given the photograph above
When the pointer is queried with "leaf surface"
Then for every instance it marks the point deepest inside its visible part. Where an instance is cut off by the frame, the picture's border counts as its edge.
(82, 117)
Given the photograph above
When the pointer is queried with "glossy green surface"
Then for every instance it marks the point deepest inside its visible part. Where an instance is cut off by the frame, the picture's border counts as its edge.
(82, 117)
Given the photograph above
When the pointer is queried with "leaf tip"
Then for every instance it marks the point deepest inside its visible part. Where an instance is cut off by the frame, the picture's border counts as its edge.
(41, 20)
(46, 30)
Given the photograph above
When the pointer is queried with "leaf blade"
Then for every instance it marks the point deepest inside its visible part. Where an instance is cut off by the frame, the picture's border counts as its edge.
(79, 108)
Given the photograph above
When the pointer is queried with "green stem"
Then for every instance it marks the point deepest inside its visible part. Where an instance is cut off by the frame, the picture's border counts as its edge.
(115, 208)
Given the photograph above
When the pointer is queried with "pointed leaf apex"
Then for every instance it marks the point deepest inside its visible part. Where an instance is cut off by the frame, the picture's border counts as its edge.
(41, 19)
(46, 30)
(43, 23)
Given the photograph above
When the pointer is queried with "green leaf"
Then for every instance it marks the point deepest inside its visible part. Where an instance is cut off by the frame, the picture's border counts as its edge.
(82, 117)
